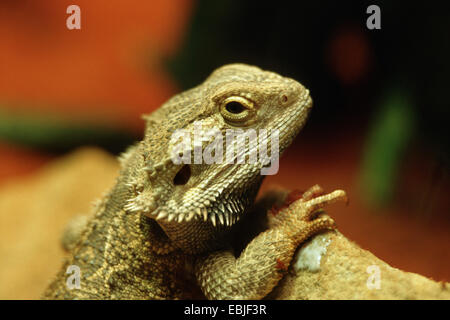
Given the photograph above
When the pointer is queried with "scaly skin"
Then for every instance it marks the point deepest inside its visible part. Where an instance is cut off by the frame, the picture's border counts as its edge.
(165, 226)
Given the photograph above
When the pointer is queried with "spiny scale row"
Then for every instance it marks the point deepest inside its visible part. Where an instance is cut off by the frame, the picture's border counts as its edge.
(225, 216)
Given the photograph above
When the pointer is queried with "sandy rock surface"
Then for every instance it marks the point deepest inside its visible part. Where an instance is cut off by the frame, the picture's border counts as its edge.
(348, 272)
(34, 211)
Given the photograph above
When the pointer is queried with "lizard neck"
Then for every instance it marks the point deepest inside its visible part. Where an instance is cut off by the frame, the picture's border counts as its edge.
(134, 227)
(199, 236)
(116, 249)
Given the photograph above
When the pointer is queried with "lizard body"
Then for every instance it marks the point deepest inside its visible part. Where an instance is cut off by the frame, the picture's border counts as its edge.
(165, 226)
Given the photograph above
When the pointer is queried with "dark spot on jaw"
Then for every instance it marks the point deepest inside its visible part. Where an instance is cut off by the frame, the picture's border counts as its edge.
(183, 176)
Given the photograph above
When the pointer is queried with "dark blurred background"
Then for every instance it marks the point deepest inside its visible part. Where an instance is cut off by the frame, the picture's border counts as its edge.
(378, 129)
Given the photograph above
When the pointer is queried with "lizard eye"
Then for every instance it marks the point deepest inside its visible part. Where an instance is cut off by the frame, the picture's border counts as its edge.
(237, 110)
(234, 107)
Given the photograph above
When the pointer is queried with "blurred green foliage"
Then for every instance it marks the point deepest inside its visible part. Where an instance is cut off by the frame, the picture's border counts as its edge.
(392, 130)
(59, 134)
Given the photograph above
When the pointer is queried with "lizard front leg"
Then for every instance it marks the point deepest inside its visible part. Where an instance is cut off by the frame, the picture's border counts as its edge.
(264, 261)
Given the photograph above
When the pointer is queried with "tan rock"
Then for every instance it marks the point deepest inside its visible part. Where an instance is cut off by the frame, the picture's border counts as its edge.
(348, 272)
(34, 212)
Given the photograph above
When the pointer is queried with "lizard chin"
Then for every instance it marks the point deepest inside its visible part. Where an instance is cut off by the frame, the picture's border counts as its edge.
(211, 229)
(195, 236)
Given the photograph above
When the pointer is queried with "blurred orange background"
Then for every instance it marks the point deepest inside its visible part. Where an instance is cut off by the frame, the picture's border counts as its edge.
(110, 70)
(113, 63)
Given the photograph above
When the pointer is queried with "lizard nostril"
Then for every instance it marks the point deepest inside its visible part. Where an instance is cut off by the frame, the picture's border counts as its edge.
(284, 98)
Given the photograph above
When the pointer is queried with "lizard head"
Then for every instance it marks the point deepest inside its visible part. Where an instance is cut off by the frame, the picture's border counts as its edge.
(205, 150)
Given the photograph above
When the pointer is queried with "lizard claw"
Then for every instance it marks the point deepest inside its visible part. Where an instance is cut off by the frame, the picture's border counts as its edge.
(321, 201)
(312, 192)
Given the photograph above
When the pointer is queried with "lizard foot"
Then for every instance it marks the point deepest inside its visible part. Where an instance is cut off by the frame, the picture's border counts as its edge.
(295, 195)
(299, 217)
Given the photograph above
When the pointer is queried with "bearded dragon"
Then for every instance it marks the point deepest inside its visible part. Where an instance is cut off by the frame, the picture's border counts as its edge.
(165, 230)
